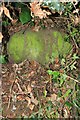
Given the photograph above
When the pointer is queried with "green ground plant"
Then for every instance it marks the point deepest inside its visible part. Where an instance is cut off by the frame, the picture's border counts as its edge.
(71, 95)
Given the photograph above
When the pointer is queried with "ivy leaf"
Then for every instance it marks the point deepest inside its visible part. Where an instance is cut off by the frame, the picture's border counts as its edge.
(25, 16)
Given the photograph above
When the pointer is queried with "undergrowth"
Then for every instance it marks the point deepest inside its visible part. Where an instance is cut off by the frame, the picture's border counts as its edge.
(65, 102)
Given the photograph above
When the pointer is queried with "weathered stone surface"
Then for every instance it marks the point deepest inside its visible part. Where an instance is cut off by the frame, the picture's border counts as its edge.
(39, 46)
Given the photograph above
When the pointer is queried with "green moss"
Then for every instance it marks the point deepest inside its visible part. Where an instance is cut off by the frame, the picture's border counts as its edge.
(39, 46)
(16, 46)
(34, 45)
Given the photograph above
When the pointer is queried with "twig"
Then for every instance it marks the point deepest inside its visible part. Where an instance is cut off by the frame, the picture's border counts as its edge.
(11, 88)
(19, 87)
(63, 18)
(71, 78)
(69, 64)
(10, 94)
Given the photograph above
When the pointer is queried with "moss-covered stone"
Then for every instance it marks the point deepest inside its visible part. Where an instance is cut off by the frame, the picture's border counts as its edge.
(39, 46)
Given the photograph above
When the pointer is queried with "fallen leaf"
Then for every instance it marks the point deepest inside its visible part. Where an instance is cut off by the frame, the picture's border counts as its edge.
(1, 11)
(29, 101)
(29, 89)
(53, 98)
(30, 74)
(6, 12)
(66, 113)
(61, 71)
(33, 100)
(13, 108)
(20, 97)
(35, 8)
(31, 106)
(14, 21)
(1, 36)
(77, 20)
(33, 83)
(56, 60)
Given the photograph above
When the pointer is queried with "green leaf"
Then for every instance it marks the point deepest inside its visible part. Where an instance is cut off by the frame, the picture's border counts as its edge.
(68, 104)
(75, 56)
(63, 61)
(64, 76)
(25, 16)
(2, 59)
(59, 93)
(67, 93)
(45, 93)
(50, 105)
(50, 72)
(73, 66)
(55, 74)
(61, 81)
(5, 23)
(76, 103)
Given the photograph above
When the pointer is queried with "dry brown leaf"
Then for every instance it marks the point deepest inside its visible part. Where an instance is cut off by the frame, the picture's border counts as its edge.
(56, 60)
(29, 101)
(35, 8)
(19, 97)
(77, 20)
(1, 36)
(29, 89)
(30, 74)
(33, 83)
(33, 100)
(66, 114)
(31, 106)
(14, 21)
(1, 11)
(6, 12)
(53, 98)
